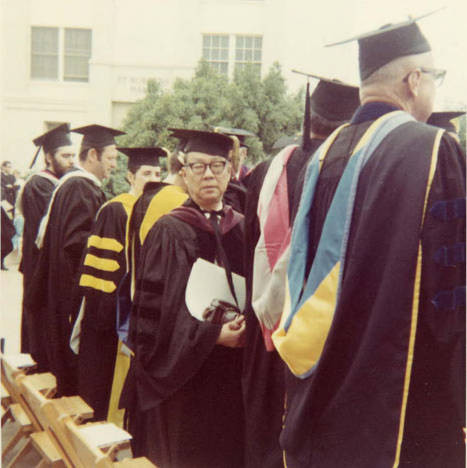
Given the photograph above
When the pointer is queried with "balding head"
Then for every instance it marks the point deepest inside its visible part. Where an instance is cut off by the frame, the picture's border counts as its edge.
(403, 84)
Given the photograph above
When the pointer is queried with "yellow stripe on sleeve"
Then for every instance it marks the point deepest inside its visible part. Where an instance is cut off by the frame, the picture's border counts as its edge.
(99, 284)
(105, 243)
(104, 264)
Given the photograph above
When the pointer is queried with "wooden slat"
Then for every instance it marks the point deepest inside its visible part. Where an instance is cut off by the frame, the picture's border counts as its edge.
(20, 416)
(47, 449)
(75, 407)
(141, 462)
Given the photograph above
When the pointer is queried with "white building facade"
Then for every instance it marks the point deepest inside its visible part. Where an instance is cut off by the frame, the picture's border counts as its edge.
(88, 61)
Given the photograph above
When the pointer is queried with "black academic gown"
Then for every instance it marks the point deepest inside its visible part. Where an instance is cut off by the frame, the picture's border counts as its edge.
(235, 195)
(183, 391)
(263, 371)
(157, 199)
(349, 411)
(103, 266)
(8, 231)
(35, 197)
(54, 292)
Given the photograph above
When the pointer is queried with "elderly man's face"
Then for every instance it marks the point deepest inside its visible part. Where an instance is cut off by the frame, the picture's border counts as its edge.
(206, 177)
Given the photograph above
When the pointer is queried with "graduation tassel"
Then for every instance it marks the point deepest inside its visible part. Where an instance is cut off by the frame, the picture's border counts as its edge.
(35, 157)
(306, 140)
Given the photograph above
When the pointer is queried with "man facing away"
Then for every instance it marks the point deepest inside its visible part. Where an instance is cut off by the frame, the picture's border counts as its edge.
(103, 266)
(183, 390)
(32, 202)
(62, 239)
(373, 328)
(277, 185)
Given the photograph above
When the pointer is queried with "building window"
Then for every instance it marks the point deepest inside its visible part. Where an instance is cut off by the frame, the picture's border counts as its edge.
(44, 53)
(60, 53)
(248, 50)
(216, 51)
(77, 54)
(223, 58)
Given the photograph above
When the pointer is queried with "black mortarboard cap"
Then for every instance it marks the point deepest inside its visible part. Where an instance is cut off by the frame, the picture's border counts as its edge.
(240, 133)
(144, 156)
(333, 99)
(98, 136)
(443, 120)
(391, 41)
(51, 140)
(212, 143)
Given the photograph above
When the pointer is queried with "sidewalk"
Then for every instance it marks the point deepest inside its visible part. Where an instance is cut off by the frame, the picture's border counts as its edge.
(11, 291)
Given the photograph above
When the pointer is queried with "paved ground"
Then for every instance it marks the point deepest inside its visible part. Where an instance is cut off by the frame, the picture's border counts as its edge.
(10, 300)
(10, 320)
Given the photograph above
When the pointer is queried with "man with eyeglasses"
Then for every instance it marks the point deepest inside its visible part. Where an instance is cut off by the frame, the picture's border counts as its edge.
(183, 390)
(373, 328)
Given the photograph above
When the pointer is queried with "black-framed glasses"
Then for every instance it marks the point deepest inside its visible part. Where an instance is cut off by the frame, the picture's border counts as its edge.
(199, 168)
(436, 73)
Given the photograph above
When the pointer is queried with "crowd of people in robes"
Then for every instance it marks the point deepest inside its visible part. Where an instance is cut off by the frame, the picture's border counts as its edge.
(344, 344)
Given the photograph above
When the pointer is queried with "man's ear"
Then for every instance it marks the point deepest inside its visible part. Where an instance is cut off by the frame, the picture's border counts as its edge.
(48, 159)
(413, 82)
(92, 155)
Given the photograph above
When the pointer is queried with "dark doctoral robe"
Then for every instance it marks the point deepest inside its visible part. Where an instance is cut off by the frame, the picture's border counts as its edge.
(35, 197)
(54, 292)
(235, 195)
(389, 386)
(156, 200)
(103, 266)
(8, 231)
(183, 391)
(263, 371)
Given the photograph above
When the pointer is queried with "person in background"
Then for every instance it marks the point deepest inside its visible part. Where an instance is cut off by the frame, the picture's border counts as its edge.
(32, 203)
(274, 188)
(62, 239)
(444, 120)
(103, 266)
(158, 198)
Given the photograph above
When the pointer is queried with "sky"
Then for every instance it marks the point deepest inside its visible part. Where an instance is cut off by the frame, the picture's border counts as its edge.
(342, 19)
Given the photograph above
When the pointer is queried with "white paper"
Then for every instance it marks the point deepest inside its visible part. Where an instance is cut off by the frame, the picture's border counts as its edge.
(21, 361)
(103, 435)
(208, 281)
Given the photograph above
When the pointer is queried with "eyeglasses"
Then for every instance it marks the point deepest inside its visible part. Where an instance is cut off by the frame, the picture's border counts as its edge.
(199, 168)
(436, 73)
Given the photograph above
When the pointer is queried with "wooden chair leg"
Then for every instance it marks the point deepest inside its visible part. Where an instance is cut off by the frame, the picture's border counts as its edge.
(12, 442)
(24, 451)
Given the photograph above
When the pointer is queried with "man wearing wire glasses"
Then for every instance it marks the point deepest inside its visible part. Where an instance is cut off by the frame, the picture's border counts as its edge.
(373, 331)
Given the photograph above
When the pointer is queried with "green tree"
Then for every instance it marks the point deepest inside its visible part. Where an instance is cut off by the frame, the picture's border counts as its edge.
(262, 106)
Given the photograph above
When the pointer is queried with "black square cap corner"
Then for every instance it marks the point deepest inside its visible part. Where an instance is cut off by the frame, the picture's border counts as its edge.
(97, 136)
(55, 138)
(211, 143)
(387, 43)
(144, 156)
(442, 119)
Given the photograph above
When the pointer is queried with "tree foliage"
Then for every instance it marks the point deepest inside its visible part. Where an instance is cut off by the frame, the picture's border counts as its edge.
(262, 106)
